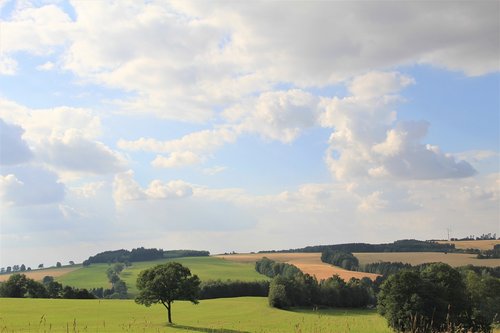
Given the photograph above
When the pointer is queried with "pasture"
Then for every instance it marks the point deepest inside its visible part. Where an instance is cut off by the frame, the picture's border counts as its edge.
(309, 263)
(473, 244)
(230, 315)
(417, 258)
(207, 268)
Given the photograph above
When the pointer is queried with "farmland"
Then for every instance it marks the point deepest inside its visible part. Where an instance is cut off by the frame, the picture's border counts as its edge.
(248, 314)
(416, 258)
(473, 244)
(216, 315)
(307, 262)
(40, 273)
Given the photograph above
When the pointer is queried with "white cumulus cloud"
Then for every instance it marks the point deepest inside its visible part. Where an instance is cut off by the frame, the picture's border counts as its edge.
(126, 189)
(277, 115)
(368, 142)
(177, 160)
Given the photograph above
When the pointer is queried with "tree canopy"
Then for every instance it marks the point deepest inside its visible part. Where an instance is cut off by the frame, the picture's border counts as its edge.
(434, 299)
(165, 284)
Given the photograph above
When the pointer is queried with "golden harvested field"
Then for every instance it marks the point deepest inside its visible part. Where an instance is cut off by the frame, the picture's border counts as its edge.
(39, 274)
(416, 258)
(473, 244)
(309, 263)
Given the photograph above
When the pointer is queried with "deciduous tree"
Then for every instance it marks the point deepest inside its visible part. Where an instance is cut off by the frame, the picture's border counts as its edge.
(165, 284)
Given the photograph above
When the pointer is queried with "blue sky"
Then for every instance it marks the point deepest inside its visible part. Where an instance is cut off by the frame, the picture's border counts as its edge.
(242, 126)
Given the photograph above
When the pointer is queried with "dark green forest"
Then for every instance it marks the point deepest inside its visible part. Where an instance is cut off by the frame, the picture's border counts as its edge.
(405, 245)
(141, 254)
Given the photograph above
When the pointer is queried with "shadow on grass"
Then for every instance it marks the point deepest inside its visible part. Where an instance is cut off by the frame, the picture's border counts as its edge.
(205, 329)
(334, 311)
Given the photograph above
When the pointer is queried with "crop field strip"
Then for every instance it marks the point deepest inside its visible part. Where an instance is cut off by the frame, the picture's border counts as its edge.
(416, 258)
(39, 274)
(473, 244)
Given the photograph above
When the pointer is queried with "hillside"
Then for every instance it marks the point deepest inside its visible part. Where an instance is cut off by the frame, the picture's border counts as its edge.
(473, 244)
(403, 245)
(417, 258)
(207, 268)
(309, 263)
(38, 274)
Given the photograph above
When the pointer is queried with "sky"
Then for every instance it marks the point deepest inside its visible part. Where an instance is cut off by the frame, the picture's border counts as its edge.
(245, 126)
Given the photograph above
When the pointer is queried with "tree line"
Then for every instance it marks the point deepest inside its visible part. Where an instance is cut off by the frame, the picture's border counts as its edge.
(488, 236)
(348, 261)
(22, 268)
(232, 288)
(425, 298)
(140, 254)
(14, 269)
(290, 287)
(342, 259)
(439, 298)
(405, 245)
(431, 297)
(271, 268)
(385, 268)
(490, 254)
(20, 286)
(118, 290)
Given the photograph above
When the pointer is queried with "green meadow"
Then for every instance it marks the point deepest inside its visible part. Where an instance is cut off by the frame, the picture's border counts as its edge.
(207, 268)
(231, 315)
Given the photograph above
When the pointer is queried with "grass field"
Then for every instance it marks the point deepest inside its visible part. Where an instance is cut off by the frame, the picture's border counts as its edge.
(416, 258)
(307, 262)
(207, 268)
(473, 244)
(230, 315)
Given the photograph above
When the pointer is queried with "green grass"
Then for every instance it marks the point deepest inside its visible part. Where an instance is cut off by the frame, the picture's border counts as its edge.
(231, 315)
(93, 276)
(207, 268)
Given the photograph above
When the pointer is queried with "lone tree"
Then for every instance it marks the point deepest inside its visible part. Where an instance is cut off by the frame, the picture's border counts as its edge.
(166, 283)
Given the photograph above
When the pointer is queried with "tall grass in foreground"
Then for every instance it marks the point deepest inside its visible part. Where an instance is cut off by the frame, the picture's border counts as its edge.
(231, 315)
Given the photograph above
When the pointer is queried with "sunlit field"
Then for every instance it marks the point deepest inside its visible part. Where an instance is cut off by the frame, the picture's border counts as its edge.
(416, 258)
(207, 268)
(231, 315)
(473, 244)
(38, 274)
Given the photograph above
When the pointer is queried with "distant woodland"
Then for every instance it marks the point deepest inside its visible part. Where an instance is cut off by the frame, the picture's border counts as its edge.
(141, 254)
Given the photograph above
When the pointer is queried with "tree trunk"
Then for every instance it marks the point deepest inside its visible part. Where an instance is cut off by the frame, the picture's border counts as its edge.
(168, 306)
(169, 313)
